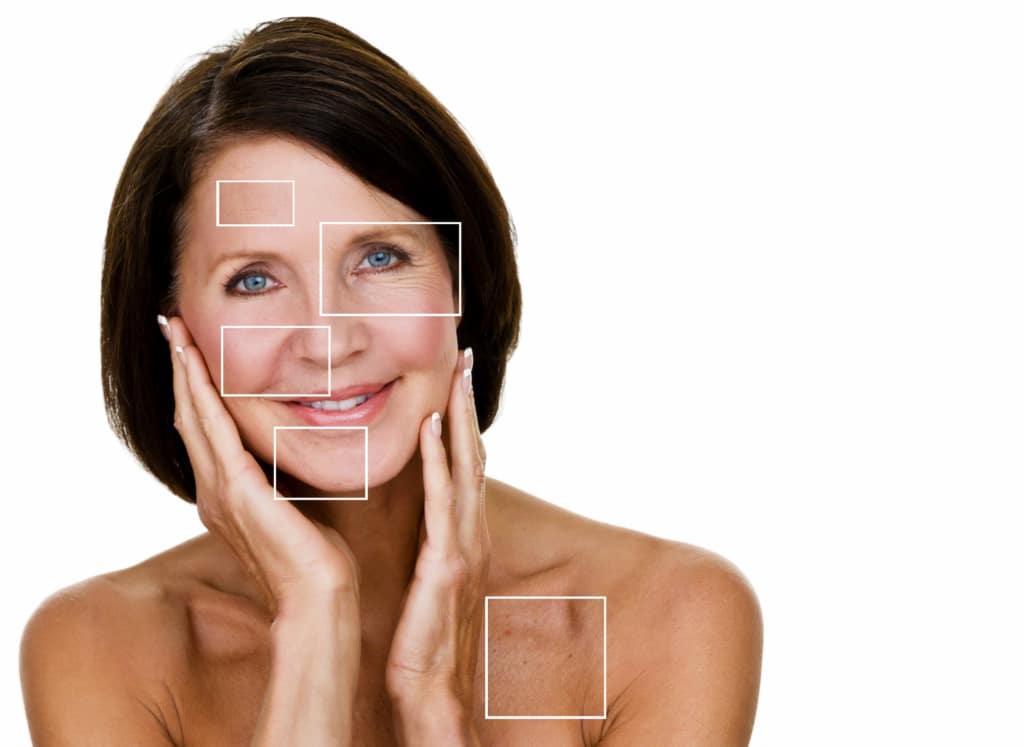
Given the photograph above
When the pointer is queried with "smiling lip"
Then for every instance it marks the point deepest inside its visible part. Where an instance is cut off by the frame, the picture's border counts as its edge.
(362, 414)
(346, 393)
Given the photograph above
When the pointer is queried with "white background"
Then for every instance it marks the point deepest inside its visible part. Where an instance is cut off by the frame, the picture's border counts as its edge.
(771, 258)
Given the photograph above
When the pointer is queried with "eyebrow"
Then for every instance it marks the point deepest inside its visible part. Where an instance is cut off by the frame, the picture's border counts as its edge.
(385, 230)
(250, 255)
(370, 232)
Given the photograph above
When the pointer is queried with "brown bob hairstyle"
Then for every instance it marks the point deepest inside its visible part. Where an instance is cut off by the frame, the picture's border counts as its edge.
(314, 81)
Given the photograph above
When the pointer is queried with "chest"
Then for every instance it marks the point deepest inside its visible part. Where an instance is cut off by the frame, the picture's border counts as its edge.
(228, 713)
(539, 657)
(221, 700)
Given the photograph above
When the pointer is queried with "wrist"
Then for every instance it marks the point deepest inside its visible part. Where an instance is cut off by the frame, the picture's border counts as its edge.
(317, 642)
(434, 719)
(320, 602)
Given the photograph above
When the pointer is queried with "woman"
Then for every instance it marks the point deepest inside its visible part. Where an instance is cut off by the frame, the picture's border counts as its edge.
(316, 622)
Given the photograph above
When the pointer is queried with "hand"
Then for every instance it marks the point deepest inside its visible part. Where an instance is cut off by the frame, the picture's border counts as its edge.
(433, 654)
(296, 561)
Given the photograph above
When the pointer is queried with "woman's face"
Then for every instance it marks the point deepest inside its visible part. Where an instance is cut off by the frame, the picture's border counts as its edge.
(265, 276)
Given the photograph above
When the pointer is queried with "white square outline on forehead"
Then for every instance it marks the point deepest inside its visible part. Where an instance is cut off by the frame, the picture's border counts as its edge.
(255, 225)
(276, 326)
(366, 459)
(389, 223)
(487, 704)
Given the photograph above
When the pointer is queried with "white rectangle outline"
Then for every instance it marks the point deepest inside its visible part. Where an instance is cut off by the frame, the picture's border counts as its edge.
(366, 459)
(388, 223)
(276, 326)
(487, 705)
(254, 225)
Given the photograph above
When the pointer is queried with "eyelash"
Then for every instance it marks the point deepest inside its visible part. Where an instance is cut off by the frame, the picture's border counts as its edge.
(399, 254)
(235, 278)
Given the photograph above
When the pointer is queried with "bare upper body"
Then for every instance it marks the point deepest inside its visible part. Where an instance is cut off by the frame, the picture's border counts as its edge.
(175, 650)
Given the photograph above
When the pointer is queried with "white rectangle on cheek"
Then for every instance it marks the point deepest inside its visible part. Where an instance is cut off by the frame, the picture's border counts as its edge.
(316, 330)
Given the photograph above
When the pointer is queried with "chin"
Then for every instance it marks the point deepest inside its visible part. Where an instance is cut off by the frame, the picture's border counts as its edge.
(351, 479)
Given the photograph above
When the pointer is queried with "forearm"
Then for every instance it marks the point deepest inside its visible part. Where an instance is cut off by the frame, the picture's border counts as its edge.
(440, 720)
(313, 674)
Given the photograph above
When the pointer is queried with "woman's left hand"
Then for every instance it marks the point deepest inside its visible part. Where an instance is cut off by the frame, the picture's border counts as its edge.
(432, 661)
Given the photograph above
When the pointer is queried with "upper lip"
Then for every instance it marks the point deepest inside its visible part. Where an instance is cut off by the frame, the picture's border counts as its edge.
(346, 393)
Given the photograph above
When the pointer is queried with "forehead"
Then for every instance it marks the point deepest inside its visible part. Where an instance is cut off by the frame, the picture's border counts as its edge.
(268, 181)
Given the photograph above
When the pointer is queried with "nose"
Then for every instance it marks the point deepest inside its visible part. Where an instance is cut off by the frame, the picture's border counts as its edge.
(349, 336)
(322, 341)
(329, 341)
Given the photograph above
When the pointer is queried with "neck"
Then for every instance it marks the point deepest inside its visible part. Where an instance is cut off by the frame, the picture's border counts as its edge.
(383, 533)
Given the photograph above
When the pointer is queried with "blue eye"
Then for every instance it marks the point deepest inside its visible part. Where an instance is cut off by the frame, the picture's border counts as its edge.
(383, 259)
(378, 255)
(254, 283)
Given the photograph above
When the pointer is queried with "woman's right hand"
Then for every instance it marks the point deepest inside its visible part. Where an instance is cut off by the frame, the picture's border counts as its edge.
(294, 559)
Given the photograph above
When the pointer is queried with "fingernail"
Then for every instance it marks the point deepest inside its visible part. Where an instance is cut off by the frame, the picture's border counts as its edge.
(165, 328)
(181, 352)
(467, 380)
(435, 423)
(468, 357)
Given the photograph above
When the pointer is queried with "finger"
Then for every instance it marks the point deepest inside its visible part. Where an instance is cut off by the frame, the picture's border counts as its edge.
(245, 526)
(439, 493)
(467, 461)
(186, 421)
(472, 407)
(221, 432)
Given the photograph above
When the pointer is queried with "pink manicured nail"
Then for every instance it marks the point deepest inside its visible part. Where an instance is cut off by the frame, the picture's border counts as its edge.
(467, 380)
(165, 328)
(435, 423)
(181, 352)
(468, 358)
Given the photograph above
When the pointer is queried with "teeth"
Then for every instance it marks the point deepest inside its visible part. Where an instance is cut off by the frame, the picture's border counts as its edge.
(344, 404)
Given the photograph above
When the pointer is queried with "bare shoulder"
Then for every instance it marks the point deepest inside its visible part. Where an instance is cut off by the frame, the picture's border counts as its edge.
(535, 535)
(692, 675)
(684, 626)
(98, 654)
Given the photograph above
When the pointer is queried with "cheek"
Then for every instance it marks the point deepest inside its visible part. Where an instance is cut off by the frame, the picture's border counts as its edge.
(264, 361)
(206, 336)
(250, 361)
(423, 344)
